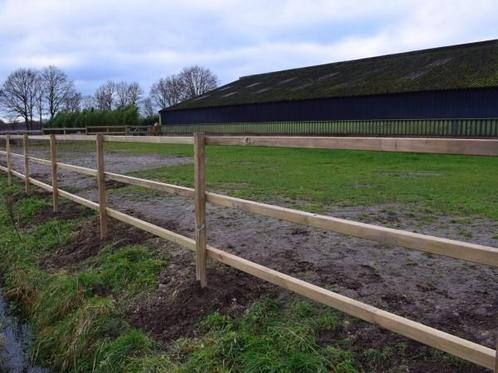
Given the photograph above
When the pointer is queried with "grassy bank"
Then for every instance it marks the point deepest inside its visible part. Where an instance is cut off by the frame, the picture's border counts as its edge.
(77, 316)
(79, 313)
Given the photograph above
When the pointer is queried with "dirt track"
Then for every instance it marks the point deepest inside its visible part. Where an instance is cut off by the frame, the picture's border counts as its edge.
(452, 295)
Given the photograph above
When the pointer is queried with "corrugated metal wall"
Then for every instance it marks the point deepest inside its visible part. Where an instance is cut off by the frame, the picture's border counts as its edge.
(478, 103)
(485, 128)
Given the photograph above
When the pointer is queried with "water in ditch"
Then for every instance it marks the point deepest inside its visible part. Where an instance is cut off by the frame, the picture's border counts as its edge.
(15, 343)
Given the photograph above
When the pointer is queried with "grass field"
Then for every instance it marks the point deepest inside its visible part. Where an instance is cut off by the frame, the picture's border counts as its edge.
(316, 179)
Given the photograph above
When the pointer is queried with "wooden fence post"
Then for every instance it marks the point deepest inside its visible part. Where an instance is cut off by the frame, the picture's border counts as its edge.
(9, 160)
(53, 159)
(26, 161)
(200, 207)
(101, 187)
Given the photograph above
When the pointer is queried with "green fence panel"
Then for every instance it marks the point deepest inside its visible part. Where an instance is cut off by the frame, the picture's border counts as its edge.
(400, 127)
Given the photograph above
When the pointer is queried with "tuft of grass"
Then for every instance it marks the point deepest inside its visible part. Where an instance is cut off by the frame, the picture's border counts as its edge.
(51, 234)
(376, 358)
(27, 208)
(68, 343)
(341, 361)
(130, 349)
(130, 269)
(267, 338)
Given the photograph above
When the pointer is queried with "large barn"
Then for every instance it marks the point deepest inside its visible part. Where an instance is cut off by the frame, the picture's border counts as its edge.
(459, 81)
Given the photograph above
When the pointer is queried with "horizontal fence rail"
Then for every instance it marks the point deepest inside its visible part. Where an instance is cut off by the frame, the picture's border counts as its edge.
(17, 132)
(93, 130)
(462, 348)
(412, 145)
(486, 147)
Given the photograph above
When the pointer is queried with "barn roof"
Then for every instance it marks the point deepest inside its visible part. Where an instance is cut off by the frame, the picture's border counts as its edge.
(464, 66)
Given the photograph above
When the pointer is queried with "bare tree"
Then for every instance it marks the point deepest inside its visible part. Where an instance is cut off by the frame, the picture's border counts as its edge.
(40, 102)
(134, 94)
(57, 89)
(128, 94)
(105, 95)
(121, 90)
(73, 102)
(167, 91)
(18, 95)
(147, 107)
(88, 102)
(197, 80)
(190, 82)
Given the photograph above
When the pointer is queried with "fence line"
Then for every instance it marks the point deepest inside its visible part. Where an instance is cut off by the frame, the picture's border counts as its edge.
(467, 350)
(95, 130)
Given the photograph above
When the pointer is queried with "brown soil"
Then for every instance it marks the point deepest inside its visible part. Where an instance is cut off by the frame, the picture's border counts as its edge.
(88, 243)
(34, 192)
(397, 354)
(66, 211)
(179, 304)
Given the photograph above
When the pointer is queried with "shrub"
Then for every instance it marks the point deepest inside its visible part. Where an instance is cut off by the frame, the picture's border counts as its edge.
(127, 116)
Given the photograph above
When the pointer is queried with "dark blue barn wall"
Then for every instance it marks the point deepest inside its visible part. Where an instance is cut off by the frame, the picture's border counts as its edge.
(478, 103)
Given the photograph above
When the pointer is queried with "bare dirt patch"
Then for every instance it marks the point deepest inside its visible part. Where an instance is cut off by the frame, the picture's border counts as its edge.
(66, 211)
(179, 304)
(88, 243)
(456, 296)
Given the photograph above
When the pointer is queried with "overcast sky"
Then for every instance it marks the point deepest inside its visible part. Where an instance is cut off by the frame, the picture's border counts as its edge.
(97, 40)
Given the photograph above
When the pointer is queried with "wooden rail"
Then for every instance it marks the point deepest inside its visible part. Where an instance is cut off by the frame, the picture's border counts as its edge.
(465, 349)
(393, 144)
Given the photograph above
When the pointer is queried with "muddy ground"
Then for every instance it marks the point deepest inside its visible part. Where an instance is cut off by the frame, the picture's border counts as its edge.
(452, 295)
(114, 162)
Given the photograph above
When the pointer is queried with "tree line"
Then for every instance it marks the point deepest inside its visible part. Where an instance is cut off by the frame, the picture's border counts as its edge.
(49, 93)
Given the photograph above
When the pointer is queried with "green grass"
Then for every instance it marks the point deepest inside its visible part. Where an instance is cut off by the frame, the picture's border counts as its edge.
(267, 338)
(317, 178)
(79, 318)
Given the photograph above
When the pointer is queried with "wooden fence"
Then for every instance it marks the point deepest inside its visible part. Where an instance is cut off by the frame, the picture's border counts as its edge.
(481, 254)
(107, 130)
(21, 132)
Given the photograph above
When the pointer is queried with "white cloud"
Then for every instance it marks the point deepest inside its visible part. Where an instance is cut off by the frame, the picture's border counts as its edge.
(96, 40)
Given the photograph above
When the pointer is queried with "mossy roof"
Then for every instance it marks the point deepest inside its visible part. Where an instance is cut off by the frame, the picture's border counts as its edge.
(464, 66)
